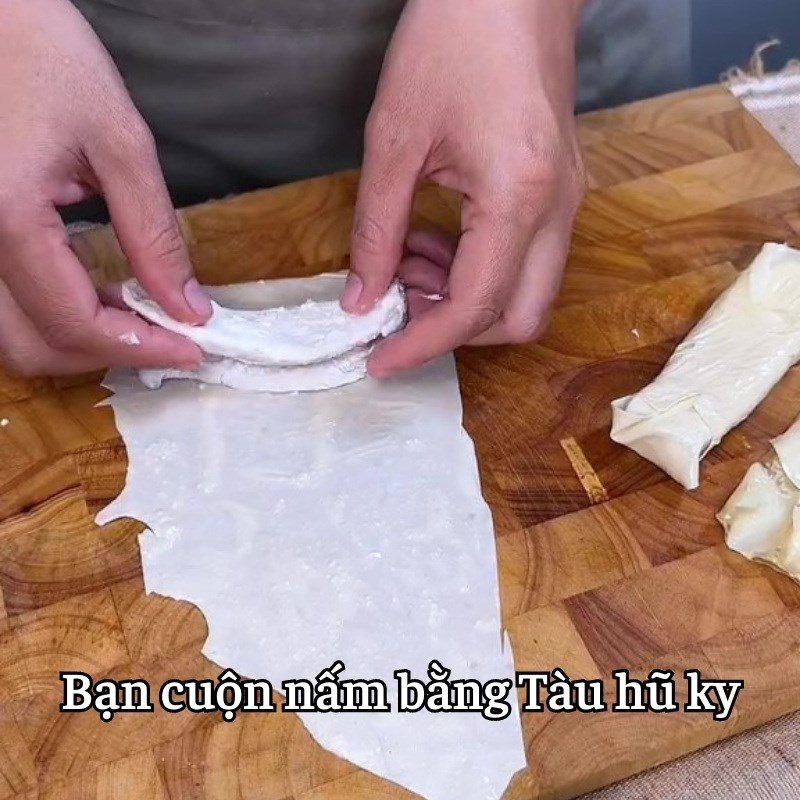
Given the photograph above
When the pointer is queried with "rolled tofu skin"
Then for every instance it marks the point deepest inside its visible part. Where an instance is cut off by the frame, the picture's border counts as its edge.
(283, 335)
(787, 448)
(306, 332)
(762, 517)
(723, 369)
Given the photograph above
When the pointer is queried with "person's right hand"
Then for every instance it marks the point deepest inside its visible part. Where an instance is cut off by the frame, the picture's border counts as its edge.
(68, 131)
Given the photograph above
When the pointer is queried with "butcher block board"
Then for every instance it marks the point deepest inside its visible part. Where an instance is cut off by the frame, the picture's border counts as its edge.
(604, 562)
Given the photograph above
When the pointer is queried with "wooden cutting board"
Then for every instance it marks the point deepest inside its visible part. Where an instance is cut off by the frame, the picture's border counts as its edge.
(604, 563)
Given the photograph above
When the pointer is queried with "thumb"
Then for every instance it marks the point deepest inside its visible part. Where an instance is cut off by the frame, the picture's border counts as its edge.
(146, 223)
(382, 215)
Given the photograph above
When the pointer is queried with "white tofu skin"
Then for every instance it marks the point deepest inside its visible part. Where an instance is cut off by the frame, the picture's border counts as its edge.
(723, 369)
(762, 517)
(277, 336)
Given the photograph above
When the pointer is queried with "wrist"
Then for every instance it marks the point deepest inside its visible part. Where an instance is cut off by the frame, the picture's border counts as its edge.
(572, 8)
(554, 26)
(565, 15)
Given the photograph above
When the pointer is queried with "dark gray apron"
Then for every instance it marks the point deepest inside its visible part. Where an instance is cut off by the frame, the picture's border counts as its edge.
(246, 93)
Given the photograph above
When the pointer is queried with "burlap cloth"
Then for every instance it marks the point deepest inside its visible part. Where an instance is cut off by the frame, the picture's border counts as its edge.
(763, 764)
(773, 98)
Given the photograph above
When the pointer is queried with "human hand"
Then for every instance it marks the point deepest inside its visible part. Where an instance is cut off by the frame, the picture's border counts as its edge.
(68, 131)
(479, 98)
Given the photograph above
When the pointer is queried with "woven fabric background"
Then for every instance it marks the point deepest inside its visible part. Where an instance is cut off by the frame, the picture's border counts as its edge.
(763, 764)
(775, 101)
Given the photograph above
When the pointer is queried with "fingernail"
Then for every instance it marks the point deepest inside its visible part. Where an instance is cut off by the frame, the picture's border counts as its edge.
(375, 369)
(189, 358)
(351, 293)
(196, 298)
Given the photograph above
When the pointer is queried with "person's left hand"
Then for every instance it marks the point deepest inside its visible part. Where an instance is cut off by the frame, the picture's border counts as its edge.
(477, 97)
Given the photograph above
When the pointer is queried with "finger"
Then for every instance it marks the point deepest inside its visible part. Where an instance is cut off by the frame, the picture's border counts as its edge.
(484, 271)
(435, 245)
(111, 295)
(51, 287)
(146, 223)
(24, 352)
(445, 326)
(383, 210)
(525, 317)
(417, 272)
(425, 284)
(418, 302)
(134, 342)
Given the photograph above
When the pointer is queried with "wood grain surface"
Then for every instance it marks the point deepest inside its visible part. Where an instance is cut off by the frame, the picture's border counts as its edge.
(604, 563)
